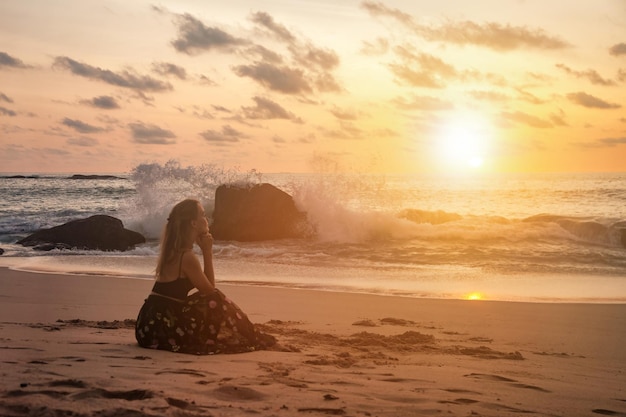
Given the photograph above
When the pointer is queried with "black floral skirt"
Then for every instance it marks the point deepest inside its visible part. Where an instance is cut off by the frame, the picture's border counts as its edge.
(201, 324)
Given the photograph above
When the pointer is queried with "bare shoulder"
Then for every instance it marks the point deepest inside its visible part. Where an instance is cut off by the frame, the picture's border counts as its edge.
(189, 259)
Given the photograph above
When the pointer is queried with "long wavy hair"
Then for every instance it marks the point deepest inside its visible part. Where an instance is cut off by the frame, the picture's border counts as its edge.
(175, 237)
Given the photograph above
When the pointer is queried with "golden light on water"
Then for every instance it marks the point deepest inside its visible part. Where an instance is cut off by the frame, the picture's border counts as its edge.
(474, 296)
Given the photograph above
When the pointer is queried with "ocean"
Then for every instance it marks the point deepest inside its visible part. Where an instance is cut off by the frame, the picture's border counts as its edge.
(514, 237)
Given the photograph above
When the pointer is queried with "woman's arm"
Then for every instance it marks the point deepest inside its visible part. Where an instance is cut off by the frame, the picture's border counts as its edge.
(192, 270)
(204, 281)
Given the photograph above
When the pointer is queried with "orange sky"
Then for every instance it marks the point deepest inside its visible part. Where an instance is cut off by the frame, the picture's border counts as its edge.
(280, 85)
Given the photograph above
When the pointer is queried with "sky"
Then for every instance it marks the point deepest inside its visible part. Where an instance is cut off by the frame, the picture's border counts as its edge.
(389, 86)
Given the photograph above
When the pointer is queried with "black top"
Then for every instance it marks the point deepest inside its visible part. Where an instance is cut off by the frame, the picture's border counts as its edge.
(179, 288)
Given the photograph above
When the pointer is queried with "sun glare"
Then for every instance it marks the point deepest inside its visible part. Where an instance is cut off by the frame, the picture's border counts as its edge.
(463, 141)
(474, 296)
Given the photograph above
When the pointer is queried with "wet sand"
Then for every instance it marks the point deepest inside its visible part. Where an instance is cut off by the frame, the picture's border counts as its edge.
(67, 348)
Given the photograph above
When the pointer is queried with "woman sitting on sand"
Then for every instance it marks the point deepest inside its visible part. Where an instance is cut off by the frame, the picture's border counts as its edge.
(170, 319)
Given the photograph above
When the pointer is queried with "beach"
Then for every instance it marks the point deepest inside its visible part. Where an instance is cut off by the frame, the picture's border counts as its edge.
(68, 348)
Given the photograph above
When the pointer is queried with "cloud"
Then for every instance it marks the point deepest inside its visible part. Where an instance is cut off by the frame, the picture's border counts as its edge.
(587, 100)
(125, 79)
(151, 134)
(420, 69)
(591, 75)
(423, 103)
(82, 141)
(265, 54)
(278, 78)
(204, 80)
(226, 135)
(80, 126)
(102, 102)
(604, 143)
(527, 119)
(277, 30)
(7, 112)
(528, 97)
(558, 119)
(380, 46)
(194, 37)
(317, 63)
(4, 97)
(165, 68)
(613, 141)
(311, 56)
(492, 96)
(7, 60)
(347, 130)
(618, 49)
(343, 114)
(267, 109)
(489, 35)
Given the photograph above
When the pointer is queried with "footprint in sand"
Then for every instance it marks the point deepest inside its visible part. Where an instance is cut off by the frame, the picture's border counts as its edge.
(509, 381)
(235, 393)
(184, 371)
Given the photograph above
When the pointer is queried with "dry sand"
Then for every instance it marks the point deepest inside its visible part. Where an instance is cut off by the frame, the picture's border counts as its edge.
(68, 349)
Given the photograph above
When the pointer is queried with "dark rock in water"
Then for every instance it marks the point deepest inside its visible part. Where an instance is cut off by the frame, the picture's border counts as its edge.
(46, 247)
(98, 232)
(254, 213)
(1, 251)
(93, 177)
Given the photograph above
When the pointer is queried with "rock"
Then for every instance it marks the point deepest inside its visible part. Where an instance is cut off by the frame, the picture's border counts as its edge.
(254, 213)
(1, 251)
(93, 177)
(97, 232)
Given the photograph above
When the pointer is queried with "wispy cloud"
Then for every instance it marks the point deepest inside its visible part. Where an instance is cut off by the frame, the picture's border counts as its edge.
(491, 35)
(419, 69)
(102, 102)
(591, 75)
(379, 46)
(587, 100)
(527, 119)
(618, 49)
(227, 135)
(151, 134)
(4, 97)
(267, 109)
(423, 103)
(7, 112)
(277, 30)
(604, 143)
(125, 79)
(81, 126)
(344, 114)
(195, 37)
(278, 78)
(83, 141)
(7, 60)
(315, 64)
(166, 69)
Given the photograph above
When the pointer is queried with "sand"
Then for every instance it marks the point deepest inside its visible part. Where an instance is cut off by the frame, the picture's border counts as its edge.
(67, 349)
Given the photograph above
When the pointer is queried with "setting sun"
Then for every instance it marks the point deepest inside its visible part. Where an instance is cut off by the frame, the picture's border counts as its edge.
(475, 296)
(463, 140)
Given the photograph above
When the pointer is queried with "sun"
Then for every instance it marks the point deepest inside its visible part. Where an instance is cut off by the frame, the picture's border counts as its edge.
(462, 140)
(474, 296)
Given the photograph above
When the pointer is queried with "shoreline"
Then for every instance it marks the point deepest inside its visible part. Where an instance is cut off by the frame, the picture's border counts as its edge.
(280, 276)
(68, 347)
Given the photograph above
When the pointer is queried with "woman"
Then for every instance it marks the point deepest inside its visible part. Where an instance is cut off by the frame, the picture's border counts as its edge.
(170, 319)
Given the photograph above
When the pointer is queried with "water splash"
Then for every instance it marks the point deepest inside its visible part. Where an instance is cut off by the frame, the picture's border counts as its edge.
(160, 186)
